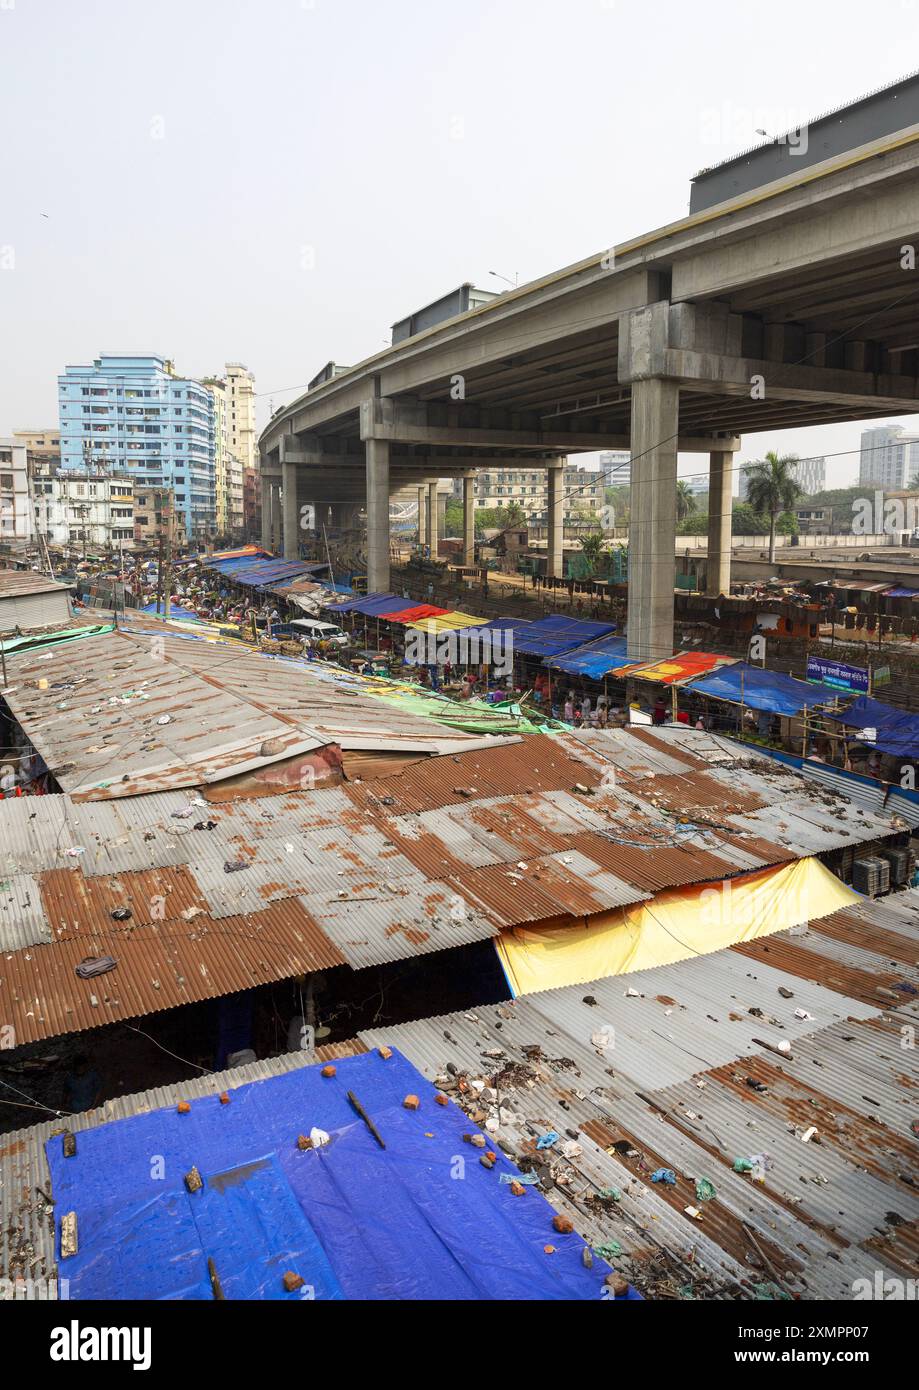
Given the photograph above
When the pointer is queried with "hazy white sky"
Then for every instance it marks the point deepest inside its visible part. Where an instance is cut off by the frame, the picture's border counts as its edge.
(278, 181)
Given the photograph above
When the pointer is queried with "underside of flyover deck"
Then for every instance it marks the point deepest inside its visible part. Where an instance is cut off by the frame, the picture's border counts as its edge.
(794, 307)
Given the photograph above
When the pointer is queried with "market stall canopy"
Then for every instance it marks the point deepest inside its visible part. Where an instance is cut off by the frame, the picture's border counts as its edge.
(553, 635)
(408, 616)
(763, 690)
(595, 660)
(371, 605)
(449, 622)
(894, 731)
(683, 668)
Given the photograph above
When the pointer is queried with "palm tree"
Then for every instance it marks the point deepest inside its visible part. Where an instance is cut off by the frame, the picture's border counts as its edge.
(772, 489)
(685, 500)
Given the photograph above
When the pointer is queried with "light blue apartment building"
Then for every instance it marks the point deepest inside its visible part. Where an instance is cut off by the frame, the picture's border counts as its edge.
(133, 415)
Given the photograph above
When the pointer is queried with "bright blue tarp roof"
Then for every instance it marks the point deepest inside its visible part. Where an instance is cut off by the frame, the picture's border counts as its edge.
(374, 605)
(595, 660)
(175, 611)
(764, 690)
(420, 1219)
(556, 634)
(897, 732)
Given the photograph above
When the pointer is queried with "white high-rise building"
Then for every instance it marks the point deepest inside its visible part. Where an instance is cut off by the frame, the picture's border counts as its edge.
(242, 434)
(889, 458)
(616, 467)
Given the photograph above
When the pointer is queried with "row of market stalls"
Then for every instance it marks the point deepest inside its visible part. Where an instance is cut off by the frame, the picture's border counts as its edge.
(572, 651)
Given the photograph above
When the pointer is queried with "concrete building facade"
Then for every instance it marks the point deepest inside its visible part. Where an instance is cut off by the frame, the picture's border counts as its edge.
(92, 509)
(810, 473)
(135, 415)
(242, 434)
(155, 519)
(584, 491)
(17, 521)
(889, 457)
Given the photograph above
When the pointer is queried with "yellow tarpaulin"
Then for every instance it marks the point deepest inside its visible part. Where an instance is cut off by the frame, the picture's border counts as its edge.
(448, 622)
(676, 925)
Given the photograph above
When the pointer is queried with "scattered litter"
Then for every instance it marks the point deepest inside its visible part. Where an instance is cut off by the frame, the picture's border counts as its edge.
(665, 1176)
(233, 866)
(705, 1190)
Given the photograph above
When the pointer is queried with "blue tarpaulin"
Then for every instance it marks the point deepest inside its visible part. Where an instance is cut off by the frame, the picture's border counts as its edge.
(505, 629)
(255, 572)
(374, 605)
(897, 732)
(556, 634)
(595, 660)
(175, 611)
(420, 1219)
(763, 690)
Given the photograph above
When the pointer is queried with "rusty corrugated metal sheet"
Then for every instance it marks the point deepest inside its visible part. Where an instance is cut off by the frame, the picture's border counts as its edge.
(77, 906)
(657, 866)
(539, 764)
(545, 888)
(788, 955)
(690, 792)
(856, 931)
(159, 967)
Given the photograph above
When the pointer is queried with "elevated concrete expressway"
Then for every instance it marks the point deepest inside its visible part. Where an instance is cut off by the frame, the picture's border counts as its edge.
(792, 306)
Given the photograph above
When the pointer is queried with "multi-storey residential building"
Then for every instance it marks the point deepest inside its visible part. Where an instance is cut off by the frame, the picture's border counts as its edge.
(252, 505)
(228, 469)
(889, 458)
(241, 427)
(43, 446)
(17, 522)
(584, 491)
(616, 467)
(90, 509)
(133, 414)
(810, 474)
(156, 519)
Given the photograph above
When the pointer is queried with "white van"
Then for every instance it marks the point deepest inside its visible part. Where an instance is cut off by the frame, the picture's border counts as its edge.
(318, 631)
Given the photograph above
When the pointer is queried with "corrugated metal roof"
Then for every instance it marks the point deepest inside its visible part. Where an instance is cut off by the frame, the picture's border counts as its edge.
(22, 915)
(159, 966)
(227, 709)
(442, 856)
(660, 1065)
(15, 582)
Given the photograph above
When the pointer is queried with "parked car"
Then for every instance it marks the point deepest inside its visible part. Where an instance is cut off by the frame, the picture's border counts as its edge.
(318, 631)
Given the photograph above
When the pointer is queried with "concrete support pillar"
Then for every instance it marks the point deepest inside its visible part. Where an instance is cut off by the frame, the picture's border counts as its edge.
(555, 554)
(652, 533)
(266, 512)
(720, 519)
(377, 516)
(276, 518)
(422, 514)
(469, 521)
(291, 511)
(432, 529)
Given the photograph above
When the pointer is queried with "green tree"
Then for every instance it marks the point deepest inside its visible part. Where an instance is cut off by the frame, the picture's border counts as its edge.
(685, 500)
(914, 485)
(592, 549)
(773, 489)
